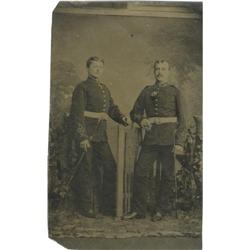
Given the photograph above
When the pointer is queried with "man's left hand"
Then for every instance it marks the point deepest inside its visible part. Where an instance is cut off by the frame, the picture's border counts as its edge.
(179, 149)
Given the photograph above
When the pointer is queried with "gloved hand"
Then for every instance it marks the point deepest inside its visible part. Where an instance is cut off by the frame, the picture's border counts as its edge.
(125, 121)
(85, 145)
(179, 149)
(146, 124)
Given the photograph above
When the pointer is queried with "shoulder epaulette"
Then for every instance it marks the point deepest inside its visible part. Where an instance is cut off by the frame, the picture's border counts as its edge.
(148, 86)
(173, 86)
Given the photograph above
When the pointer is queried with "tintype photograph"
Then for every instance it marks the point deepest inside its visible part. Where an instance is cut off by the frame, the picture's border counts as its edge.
(125, 135)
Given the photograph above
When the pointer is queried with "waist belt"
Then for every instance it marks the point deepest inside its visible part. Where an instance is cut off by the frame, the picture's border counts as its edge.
(161, 120)
(97, 115)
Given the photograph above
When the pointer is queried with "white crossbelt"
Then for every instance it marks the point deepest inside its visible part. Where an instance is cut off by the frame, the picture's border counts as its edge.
(97, 115)
(161, 120)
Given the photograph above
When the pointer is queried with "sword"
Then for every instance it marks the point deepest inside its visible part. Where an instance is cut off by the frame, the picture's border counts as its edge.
(175, 181)
(65, 185)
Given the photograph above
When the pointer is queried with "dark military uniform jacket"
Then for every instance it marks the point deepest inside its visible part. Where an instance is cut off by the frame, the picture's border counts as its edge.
(93, 96)
(160, 101)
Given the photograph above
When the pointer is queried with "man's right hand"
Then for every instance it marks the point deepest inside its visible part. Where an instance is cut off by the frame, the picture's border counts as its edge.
(85, 145)
(145, 123)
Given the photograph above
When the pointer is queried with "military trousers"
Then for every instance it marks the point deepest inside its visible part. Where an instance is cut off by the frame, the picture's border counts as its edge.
(96, 178)
(164, 202)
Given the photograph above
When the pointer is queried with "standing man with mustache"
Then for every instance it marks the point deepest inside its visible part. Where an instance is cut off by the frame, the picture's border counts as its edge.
(92, 104)
(158, 110)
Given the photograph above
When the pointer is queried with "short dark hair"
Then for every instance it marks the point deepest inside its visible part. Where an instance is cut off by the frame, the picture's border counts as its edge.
(161, 61)
(93, 59)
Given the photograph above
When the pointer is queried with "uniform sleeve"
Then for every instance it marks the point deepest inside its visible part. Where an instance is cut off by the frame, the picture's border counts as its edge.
(77, 113)
(180, 133)
(114, 111)
(137, 113)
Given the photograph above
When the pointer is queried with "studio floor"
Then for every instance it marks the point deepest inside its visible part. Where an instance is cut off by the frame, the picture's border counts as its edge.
(69, 224)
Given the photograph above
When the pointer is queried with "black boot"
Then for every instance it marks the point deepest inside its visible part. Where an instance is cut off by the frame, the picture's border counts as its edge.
(157, 217)
(89, 214)
(133, 215)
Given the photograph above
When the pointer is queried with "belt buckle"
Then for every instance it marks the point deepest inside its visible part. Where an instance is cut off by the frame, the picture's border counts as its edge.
(157, 120)
(103, 116)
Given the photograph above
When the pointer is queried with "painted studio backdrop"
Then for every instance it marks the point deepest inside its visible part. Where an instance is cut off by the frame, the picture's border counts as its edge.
(129, 46)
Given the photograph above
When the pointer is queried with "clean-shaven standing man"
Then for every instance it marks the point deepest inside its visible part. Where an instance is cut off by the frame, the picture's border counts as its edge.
(92, 104)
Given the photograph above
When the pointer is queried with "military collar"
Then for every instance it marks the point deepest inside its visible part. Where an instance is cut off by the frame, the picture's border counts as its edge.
(91, 79)
(159, 85)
